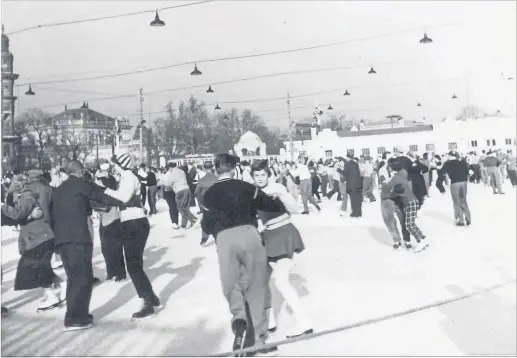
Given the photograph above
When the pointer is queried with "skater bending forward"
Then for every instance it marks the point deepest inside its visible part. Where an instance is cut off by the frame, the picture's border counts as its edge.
(35, 243)
(283, 241)
(133, 232)
(399, 186)
(230, 215)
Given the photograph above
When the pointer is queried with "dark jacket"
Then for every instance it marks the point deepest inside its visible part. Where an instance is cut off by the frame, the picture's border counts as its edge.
(398, 186)
(71, 208)
(33, 232)
(352, 175)
(151, 179)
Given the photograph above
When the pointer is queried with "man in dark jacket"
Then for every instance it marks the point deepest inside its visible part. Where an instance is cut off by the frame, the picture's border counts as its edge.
(71, 205)
(354, 185)
(152, 188)
(458, 172)
(202, 186)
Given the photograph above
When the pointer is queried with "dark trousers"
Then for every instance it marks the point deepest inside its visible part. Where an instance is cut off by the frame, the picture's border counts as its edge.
(143, 194)
(170, 198)
(133, 236)
(324, 184)
(112, 250)
(512, 174)
(356, 201)
(152, 190)
(335, 189)
(77, 261)
(389, 209)
(315, 187)
(439, 183)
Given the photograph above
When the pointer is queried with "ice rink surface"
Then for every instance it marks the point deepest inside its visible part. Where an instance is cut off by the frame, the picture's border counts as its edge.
(348, 273)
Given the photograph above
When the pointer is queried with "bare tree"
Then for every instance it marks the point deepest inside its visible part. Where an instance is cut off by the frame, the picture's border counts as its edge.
(73, 143)
(468, 112)
(37, 136)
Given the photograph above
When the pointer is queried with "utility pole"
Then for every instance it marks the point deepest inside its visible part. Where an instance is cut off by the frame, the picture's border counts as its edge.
(290, 127)
(141, 124)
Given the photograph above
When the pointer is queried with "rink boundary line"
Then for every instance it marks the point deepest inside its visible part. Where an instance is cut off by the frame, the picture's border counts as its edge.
(361, 323)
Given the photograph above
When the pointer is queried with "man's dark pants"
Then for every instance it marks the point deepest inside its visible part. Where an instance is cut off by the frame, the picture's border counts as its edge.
(77, 261)
(170, 198)
(356, 201)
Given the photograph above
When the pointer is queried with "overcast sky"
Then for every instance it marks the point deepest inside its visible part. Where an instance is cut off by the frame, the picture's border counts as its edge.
(473, 43)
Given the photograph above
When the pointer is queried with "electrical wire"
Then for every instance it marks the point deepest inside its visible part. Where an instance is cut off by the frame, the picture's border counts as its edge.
(366, 38)
(245, 79)
(73, 22)
(71, 91)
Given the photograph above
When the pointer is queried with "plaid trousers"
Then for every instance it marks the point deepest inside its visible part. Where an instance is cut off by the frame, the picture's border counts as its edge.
(410, 210)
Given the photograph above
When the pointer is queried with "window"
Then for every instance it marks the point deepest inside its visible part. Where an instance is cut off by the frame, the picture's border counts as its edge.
(328, 154)
(365, 151)
(453, 145)
(473, 143)
(508, 141)
(381, 150)
(350, 152)
(488, 142)
(429, 148)
(493, 141)
(413, 148)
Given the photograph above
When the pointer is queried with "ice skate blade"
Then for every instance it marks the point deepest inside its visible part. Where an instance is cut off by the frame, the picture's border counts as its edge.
(138, 319)
(77, 328)
(52, 306)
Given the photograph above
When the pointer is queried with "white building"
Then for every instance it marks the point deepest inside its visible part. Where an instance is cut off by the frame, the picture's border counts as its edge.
(250, 144)
(464, 136)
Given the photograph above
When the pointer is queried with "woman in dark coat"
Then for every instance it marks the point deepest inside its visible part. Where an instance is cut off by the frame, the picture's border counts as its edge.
(36, 244)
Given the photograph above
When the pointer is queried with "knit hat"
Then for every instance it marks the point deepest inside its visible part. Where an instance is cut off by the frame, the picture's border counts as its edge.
(125, 161)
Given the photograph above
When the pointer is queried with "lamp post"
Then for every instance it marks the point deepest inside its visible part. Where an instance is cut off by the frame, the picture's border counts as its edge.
(140, 127)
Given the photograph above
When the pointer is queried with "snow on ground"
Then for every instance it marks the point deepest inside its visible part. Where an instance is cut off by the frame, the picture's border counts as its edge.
(349, 273)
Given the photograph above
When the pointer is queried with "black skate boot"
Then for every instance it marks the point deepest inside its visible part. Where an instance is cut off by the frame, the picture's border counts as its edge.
(5, 312)
(241, 341)
(146, 311)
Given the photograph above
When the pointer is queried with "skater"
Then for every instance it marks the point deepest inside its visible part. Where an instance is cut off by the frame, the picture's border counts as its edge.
(35, 244)
(152, 189)
(109, 231)
(169, 195)
(304, 176)
(134, 231)
(494, 173)
(176, 179)
(203, 185)
(354, 185)
(458, 172)
(283, 241)
(230, 216)
(70, 211)
(399, 186)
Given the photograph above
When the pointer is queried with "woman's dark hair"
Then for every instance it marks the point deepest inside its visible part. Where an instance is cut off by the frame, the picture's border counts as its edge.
(260, 165)
(396, 166)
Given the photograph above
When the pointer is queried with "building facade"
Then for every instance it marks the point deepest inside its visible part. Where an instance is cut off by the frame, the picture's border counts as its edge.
(463, 136)
(8, 98)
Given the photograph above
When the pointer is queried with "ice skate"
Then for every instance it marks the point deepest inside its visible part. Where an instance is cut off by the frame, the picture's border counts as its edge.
(77, 326)
(271, 319)
(146, 311)
(5, 312)
(241, 339)
(51, 300)
(419, 247)
(55, 263)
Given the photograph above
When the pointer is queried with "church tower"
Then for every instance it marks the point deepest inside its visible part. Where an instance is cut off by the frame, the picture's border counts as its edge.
(8, 98)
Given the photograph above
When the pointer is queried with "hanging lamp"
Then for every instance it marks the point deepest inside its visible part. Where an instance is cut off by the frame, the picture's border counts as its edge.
(157, 22)
(209, 90)
(30, 92)
(226, 117)
(425, 39)
(217, 106)
(196, 72)
(330, 108)
(454, 96)
(419, 105)
(372, 71)
(346, 93)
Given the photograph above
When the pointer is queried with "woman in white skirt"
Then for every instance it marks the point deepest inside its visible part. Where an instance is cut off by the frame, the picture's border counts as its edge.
(282, 241)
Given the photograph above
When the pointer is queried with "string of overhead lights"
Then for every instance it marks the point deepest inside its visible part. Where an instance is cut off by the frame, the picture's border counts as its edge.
(245, 79)
(230, 58)
(74, 22)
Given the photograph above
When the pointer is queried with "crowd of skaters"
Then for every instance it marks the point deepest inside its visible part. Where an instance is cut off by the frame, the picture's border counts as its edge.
(246, 207)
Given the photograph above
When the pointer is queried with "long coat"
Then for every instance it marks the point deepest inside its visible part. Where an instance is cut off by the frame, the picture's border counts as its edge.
(352, 175)
(71, 209)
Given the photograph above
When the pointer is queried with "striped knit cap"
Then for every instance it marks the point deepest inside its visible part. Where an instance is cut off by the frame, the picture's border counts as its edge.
(125, 161)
